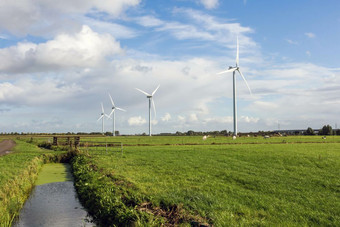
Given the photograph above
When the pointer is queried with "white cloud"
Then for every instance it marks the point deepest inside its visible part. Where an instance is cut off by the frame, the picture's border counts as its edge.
(104, 27)
(292, 42)
(219, 120)
(308, 53)
(113, 7)
(288, 92)
(248, 119)
(41, 17)
(181, 119)
(214, 29)
(183, 31)
(136, 121)
(166, 117)
(193, 117)
(30, 92)
(74, 69)
(83, 49)
(200, 26)
(265, 106)
(149, 21)
(210, 4)
(310, 35)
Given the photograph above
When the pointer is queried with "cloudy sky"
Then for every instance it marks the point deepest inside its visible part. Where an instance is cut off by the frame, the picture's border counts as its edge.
(60, 59)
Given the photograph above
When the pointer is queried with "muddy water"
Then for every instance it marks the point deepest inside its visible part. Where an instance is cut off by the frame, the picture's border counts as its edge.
(53, 201)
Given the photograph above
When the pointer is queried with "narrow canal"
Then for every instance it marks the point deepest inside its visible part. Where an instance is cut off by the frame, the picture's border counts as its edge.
(53, 202)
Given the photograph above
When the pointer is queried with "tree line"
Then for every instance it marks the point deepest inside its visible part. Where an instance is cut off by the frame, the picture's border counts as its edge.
(326, 130)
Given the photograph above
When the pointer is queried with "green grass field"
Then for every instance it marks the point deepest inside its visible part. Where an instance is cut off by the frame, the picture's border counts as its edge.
(241, 184)
(281, 181)
(191, 140)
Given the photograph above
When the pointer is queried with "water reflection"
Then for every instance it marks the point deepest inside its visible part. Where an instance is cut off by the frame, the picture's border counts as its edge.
(53, 204)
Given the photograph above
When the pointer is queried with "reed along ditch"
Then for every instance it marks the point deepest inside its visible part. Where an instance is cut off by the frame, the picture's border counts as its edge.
(53, 201)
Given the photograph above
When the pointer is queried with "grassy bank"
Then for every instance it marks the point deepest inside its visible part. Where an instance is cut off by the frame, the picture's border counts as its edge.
(113, 201)
(249, 184)
(18, 171)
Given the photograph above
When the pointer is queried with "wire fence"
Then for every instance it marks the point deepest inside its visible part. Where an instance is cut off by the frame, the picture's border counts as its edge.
(93, 146)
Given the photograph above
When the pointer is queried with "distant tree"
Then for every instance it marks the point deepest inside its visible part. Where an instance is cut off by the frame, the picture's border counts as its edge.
(326, 130)
(108, 134)
(190, 133)
(310, 131)
(178, 133)
(224, 132)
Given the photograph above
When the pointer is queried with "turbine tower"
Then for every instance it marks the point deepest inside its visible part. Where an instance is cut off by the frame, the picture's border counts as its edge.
(113, 112)
(102, 117)
(234, 69)
(151, 103)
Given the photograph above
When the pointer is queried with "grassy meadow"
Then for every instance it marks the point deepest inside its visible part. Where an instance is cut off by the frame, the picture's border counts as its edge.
(197, 140)
(192, 140)
(280, 181)
(252, 182)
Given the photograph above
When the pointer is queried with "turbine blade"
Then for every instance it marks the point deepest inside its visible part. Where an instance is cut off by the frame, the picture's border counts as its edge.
(111, 112)
(245, 81)
(147, 94)
(155, 90)
(120, 109)
(107, 116)
(227, 71)
(154, 108)
(113, 104)
(102, 107)
(100, 117)
(237, 52)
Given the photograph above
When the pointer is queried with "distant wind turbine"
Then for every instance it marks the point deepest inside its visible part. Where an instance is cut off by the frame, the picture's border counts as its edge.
(234, 69)
(102, 117)
(151, 103)
(113, 112)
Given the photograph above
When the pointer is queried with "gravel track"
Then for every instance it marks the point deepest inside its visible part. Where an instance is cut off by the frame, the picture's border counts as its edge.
(6, 146)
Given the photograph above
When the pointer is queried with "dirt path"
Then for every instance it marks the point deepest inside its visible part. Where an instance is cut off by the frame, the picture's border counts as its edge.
(6, 146)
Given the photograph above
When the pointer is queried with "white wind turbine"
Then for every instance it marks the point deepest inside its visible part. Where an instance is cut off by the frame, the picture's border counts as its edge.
(151, 103)
(102, 117)
(113, 112)
(234, 69)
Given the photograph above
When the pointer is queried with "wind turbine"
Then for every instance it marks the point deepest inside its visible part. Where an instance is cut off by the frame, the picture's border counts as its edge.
(102, 117)
(113, 112)
(151, 103)
(234, 69)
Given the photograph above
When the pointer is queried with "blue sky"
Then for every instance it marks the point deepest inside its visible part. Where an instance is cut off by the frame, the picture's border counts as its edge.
(58, 61)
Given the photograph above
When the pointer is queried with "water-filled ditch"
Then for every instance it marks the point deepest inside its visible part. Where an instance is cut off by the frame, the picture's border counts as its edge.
(53, 202)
